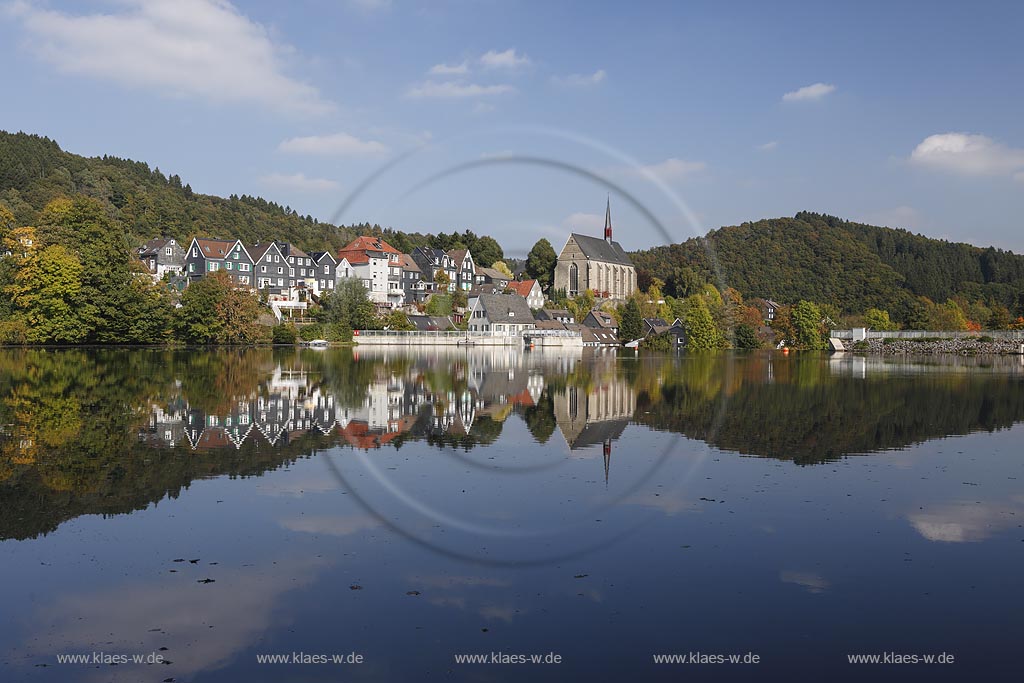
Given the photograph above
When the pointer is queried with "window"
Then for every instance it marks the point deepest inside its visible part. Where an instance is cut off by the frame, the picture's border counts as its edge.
(291, 260)
(291, 272)
(168, 252)
(235, 256)
(228, 265)
(212, 266)
(195, 251)
(244, 267)
(327, 269)
(191, 267)
(280, 270)
(280, 282)
(244, 279)
(263, 269)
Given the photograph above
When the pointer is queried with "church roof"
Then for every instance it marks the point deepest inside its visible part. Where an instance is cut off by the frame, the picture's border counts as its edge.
(598, 249)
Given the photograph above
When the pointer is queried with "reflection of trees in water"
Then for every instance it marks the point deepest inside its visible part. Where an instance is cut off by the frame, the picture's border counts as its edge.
(801, 410)
(78, 427)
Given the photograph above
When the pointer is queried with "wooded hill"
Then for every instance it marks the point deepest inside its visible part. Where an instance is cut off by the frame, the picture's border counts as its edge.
(35, 170)
(832, 261)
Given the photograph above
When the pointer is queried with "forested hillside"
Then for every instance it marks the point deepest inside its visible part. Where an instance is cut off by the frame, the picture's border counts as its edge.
(831, 261)
(34, 170)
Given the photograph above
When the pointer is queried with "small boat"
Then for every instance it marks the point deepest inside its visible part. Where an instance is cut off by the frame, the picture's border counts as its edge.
(318, 343)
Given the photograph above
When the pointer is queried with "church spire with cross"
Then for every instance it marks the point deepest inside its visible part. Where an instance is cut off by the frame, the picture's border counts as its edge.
(608, 221)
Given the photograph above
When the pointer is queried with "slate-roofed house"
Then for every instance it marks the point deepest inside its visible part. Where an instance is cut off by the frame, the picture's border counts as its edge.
(560, 314)
(413, 286)
(600, 265)
(270, 270)
(432, 323)
(506, 314)
(161, 256)
(430, 262)
(529, 290)
(205, 256)
(325, 267)
(377, 264)
(600, 320)
(654, 326)
(465, 269)
(490, 276)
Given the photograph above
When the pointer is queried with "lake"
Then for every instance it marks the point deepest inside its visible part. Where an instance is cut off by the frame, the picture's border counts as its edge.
(494, 514)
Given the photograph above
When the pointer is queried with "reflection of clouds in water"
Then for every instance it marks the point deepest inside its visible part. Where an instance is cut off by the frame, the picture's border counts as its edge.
(331, 525)
(966, 522)
(203, 626)
(668, 503)
(452, 581)
(814, 583)
(296, 487)
(469, 599)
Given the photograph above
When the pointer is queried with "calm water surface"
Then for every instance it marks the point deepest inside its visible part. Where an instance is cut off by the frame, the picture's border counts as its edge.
(213, 507)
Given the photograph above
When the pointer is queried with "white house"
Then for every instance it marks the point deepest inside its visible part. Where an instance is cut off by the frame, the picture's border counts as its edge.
(506, 314)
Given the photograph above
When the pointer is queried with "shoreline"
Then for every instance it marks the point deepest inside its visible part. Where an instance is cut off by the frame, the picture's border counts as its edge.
(971, 346)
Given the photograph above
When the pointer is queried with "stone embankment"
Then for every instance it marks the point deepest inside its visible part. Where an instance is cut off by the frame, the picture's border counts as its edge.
(968, 346)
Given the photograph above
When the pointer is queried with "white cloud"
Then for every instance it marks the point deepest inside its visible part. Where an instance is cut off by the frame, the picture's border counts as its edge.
(969, 154)
(769, 146)
(336, 144)
(509, 59)
(809, 92)
(449, 69)
(456, 90)
(298, 182)
(183, 48)
(580, 80)
(671, 169)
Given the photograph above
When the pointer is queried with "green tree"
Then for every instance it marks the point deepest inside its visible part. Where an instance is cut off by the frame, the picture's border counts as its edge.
(746, 337)
(349, 306)
(701, 332)
(631, 325)
(397, 321)
(877, 319)
(540, 262)
(486, 250)
(808, 326)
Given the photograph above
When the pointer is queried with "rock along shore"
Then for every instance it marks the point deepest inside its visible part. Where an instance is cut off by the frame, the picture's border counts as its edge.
(965, 347)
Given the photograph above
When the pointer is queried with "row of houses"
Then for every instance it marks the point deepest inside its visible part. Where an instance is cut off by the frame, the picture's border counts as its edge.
(392, 279)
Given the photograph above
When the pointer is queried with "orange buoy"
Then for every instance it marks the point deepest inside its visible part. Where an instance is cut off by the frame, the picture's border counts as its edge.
(785, 350)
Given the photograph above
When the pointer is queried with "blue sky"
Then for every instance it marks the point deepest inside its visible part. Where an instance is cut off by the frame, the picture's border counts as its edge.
(517, 119)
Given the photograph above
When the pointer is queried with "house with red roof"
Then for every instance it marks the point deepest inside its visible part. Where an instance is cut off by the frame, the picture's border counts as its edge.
(379, 266)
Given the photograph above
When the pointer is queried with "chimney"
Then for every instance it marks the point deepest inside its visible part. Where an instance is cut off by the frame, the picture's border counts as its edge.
(608, 221)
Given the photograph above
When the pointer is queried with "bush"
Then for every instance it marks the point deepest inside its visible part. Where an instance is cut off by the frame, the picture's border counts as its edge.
(284, 334)
(311, 332)
(13, 332)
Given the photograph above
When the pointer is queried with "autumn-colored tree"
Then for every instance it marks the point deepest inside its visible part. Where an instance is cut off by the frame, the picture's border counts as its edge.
(877, 319)
(46, 295)
(502, 268)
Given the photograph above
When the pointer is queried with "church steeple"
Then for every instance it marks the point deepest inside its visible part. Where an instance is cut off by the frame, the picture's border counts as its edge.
(608, 221)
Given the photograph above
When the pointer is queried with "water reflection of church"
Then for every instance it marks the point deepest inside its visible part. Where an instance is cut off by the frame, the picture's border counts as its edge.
(441, 398)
